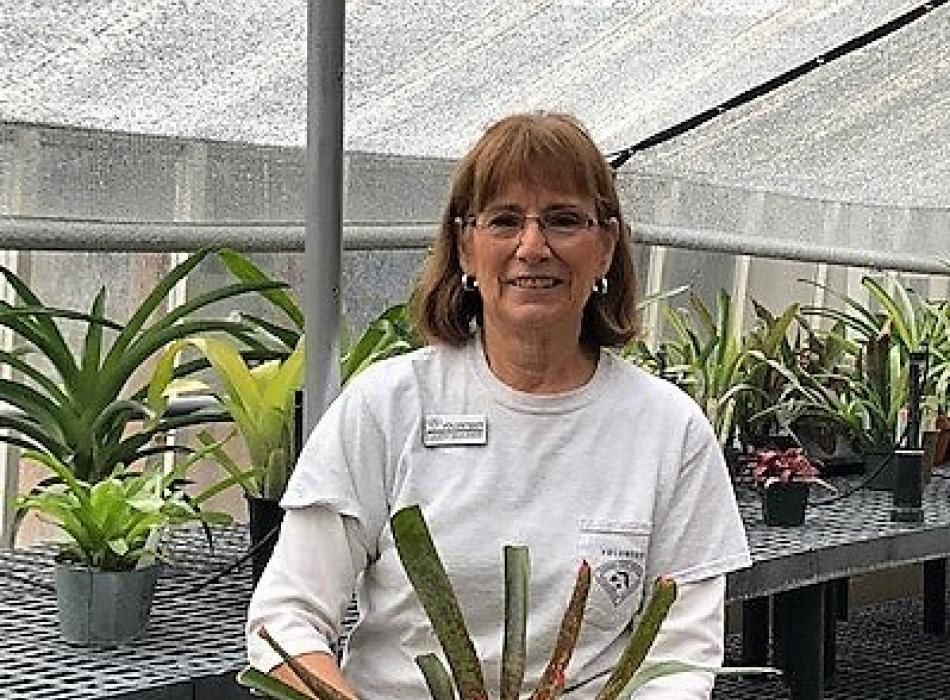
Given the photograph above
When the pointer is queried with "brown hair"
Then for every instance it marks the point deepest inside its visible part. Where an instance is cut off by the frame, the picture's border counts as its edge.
(538, 148)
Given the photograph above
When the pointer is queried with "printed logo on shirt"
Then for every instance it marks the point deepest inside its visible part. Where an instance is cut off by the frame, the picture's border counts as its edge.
(619, 578)
(616, 551)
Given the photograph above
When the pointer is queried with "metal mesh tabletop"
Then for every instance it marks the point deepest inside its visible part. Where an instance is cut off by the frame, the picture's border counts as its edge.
(191, 634)
(851, 536)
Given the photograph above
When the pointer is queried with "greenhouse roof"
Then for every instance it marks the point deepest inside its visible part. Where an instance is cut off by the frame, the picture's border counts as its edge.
(424, 77)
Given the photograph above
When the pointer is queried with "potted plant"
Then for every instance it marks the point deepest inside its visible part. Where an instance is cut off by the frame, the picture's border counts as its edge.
(260, 399)
(109, 562)
(82, 406)
(704, 357)
(784, 477)
(878, 378)
(391, 333)
(431, 582)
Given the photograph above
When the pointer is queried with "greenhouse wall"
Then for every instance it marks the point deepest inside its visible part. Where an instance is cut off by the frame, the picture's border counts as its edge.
(75, 174)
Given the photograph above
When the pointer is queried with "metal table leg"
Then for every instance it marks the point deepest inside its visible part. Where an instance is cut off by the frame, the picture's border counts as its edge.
(831, 624)
(842, 602)
(799, 627)
(935, 596)
(755, 632)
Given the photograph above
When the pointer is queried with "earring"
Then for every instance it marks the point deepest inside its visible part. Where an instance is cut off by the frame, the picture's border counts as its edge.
(469, 283)
(600, 286)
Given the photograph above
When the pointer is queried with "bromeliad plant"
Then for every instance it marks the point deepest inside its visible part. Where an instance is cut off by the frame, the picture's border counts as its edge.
(786, 466)
(260, 401)
(705, 358)
(115, 523)
(85, 410)
(427, 574)
(391, 333)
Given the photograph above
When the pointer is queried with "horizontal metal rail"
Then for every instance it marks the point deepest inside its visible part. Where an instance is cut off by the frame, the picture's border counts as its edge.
(38, 233)
(176, 407)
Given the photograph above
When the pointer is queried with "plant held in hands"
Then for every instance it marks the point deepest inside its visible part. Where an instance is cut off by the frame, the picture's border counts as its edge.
(431, 582)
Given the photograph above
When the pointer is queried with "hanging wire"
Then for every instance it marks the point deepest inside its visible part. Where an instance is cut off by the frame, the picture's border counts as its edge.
(618, 158)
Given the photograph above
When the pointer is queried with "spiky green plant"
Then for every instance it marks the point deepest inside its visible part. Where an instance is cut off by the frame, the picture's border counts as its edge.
(704, 357)
(85, 410)
(260, 401)
(391, 333)
(428, 577)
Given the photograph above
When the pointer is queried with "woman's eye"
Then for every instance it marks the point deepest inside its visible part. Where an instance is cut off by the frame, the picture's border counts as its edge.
(565, 219)
(504, 220)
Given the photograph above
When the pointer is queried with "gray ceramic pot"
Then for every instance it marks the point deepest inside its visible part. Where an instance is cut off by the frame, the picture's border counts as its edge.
(104, 607)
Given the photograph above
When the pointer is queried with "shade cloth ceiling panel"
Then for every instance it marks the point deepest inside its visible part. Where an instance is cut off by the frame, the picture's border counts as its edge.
(422, 77)
(860, 142)
(872, 127)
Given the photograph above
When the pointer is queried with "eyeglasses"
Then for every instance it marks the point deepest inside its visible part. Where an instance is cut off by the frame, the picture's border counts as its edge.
(558, 224)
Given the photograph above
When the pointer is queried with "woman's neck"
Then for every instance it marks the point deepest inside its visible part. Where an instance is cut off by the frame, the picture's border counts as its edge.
(537, 364)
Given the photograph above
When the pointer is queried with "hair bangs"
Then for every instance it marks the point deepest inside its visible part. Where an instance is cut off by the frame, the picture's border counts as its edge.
(530, 155)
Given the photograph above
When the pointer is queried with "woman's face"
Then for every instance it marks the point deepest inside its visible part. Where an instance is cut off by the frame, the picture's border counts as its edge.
(536, 280)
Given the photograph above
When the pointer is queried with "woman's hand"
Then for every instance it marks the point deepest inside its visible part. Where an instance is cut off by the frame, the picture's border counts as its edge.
(321, 665)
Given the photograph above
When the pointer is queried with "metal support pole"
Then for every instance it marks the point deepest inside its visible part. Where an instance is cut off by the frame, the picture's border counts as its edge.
(18, 197)
(324, 197)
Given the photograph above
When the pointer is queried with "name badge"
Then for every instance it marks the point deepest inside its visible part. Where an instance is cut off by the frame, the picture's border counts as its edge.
(442, 430)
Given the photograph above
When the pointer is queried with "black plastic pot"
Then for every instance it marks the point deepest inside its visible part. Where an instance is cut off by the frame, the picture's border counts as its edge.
(881, 464)
(783, 502)
(264, 519)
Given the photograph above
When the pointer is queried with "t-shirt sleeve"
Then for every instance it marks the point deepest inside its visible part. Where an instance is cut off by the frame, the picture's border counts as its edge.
(699, 532)
(343, 467)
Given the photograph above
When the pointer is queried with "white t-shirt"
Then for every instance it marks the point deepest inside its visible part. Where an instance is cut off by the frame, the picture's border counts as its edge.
(624, 472)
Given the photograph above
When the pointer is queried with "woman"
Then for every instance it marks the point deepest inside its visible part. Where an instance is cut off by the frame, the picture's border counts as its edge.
(515, 425)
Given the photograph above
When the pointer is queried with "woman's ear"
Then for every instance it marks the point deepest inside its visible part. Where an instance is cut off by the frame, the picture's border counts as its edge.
(463, 244)
(610, 243)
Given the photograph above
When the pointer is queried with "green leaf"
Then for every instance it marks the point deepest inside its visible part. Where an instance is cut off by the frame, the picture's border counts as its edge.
(427, 575)
(245, 270)
(37, 406)
(211, 297)
(92, 344)
(271, 687)
(436, 677)
(517, 567)
(149, 305)
(45, 335)
(287, 336)
(552, 680)
(666, 668)
(664, 594)
(901, 319)
(43, 382)
(288, 378)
